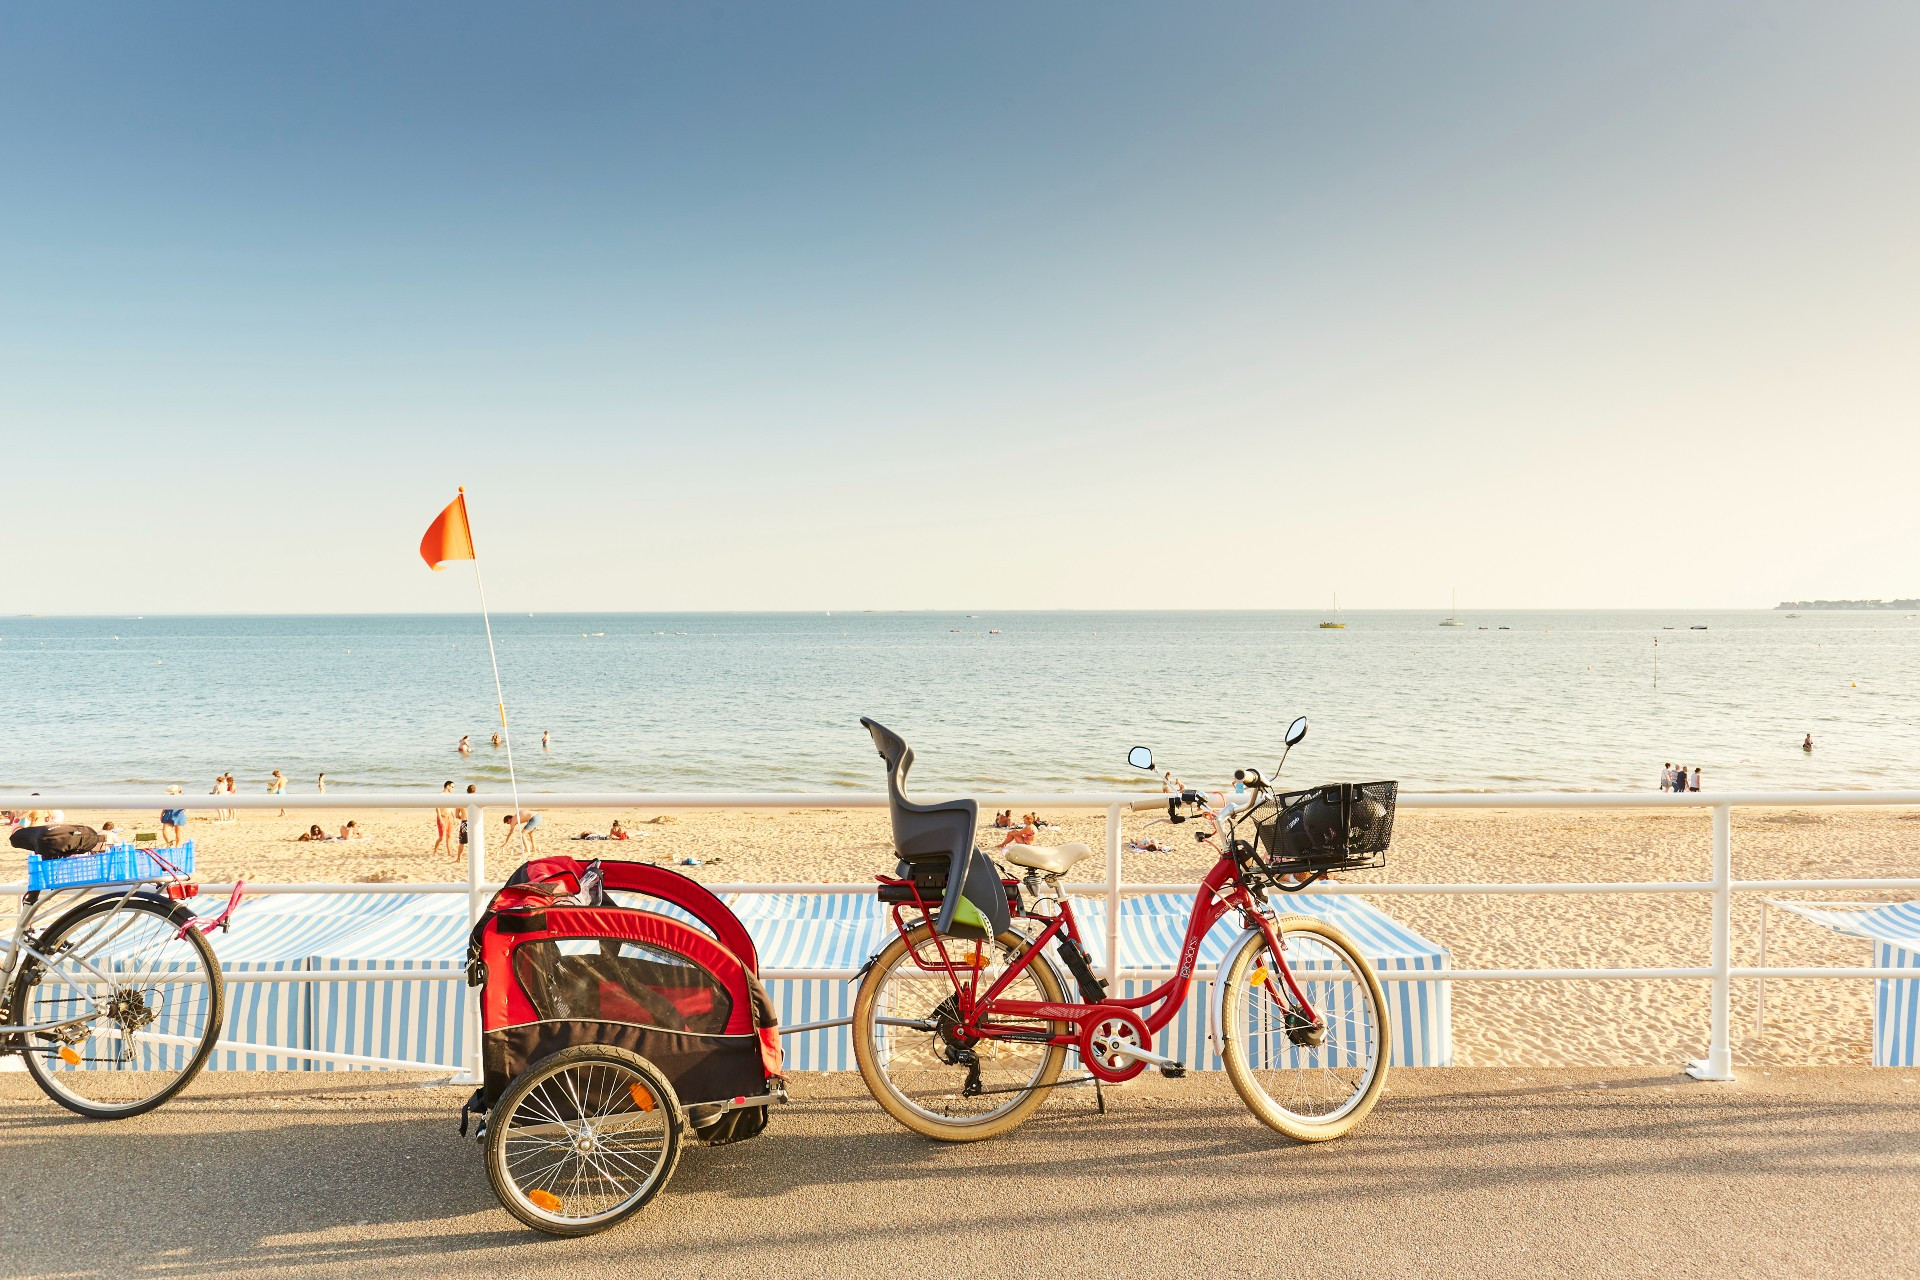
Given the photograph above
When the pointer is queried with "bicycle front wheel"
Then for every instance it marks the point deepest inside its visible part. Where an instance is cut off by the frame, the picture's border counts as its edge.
(1312, 1073)
(130, 1003)
(919, 1071)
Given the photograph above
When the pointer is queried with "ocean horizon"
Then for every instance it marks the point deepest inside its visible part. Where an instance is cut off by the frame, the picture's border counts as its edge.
(991, 700)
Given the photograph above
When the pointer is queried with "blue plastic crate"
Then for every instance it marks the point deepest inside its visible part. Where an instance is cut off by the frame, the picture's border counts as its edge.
(118, 864)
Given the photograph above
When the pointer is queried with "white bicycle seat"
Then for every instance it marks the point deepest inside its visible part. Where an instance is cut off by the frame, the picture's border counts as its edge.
(1053, 859)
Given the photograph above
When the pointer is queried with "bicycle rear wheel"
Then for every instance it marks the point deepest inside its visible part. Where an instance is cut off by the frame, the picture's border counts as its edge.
(1312, 1083)
(918, 1072)
(140, 1001)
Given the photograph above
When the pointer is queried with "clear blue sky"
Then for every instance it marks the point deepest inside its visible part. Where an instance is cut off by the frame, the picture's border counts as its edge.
(839, 306)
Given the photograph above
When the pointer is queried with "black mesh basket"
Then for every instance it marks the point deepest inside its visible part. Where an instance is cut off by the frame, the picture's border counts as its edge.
(1343, 826)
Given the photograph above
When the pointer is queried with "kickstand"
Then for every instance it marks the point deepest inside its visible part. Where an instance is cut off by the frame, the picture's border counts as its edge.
(1099, 1098)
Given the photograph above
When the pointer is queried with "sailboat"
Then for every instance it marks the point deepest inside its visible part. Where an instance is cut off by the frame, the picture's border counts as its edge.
(1334, 623)
(1453, 619)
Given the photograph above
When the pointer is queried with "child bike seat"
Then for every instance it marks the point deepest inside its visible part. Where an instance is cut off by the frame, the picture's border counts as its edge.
(939, 832)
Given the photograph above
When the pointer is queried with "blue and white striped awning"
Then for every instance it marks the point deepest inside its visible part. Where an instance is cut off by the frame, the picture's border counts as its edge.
(414, 933)
(1894, 930)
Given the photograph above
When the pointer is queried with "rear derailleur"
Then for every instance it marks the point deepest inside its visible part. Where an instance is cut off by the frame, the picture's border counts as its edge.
(956, 1051)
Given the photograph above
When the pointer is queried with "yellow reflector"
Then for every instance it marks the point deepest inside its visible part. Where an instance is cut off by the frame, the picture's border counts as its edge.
(642, 1097)
(544, 1200)
(68, 1056)
(1258, 977)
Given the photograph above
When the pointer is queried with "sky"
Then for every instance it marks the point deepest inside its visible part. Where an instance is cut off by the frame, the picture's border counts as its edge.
(948, 306)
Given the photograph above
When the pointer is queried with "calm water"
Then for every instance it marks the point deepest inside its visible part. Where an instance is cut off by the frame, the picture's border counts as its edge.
(772, 701)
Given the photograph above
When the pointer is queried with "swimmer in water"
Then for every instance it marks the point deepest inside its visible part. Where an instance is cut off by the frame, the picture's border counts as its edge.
(1808, 744)
(465, 748)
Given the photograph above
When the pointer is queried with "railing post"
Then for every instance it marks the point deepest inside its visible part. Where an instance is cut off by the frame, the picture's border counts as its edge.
(1718, 1064)
(1760, 985)
(1113, 898)
(476, 819)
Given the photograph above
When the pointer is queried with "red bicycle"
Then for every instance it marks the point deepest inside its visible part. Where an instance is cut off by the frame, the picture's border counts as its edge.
(963, 1022)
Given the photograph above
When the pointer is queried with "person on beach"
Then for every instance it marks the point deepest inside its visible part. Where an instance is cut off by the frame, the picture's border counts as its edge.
(232, 788)
(352, 831)
(465, 748)
(171, 820)
(277, 786)
(1666, 776)
(1023, 834)
(311, 833)
(320, 784)
(1680, 779)
(528, 824)
(1694, 785)
(462, 853)
(1808, 744)
(546, 739)
(443, 825)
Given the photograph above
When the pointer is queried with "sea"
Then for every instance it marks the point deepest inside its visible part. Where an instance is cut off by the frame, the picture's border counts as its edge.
(1510, 700)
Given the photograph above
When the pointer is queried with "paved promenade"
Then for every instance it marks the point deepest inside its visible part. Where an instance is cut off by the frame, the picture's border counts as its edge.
(1602, 1172)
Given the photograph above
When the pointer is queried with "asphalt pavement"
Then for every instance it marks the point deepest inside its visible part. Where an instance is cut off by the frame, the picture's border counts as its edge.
(1599, 1172)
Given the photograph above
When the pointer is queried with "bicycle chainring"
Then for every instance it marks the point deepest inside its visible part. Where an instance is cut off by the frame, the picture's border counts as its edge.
(1103, 1037)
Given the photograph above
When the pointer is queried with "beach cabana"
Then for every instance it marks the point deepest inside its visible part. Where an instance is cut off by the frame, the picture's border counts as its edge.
(384, 1017)
(281, 934)
(1894, 931)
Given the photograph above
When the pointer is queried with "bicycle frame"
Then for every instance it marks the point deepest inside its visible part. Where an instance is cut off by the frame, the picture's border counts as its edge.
(988, 1016)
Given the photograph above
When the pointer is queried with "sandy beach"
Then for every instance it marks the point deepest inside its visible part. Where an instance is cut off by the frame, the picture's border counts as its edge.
(1495, 1024)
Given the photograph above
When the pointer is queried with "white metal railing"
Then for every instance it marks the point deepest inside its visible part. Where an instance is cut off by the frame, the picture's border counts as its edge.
(1719, 969)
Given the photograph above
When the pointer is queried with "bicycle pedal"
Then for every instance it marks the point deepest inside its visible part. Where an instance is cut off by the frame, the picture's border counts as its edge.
(1174, 1071)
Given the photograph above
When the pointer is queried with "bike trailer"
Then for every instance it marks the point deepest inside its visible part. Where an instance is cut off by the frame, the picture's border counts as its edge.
(572, 953)
(621, 1008)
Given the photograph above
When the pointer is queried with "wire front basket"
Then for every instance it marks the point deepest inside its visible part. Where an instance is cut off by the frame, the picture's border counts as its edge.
(1342, 826)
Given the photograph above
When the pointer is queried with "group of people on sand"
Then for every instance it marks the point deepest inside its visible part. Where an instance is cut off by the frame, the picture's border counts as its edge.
(1674, 778)
(451, 834)
(1020, 832)
(313, 833)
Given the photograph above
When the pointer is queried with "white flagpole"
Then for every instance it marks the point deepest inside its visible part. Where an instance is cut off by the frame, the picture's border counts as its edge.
(506, 734)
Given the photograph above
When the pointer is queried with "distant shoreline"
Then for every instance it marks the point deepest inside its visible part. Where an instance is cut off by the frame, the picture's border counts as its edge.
(1848, 604)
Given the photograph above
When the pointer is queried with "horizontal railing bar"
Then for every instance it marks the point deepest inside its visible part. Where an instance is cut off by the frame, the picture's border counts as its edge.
(1325, 890)
(1763, 886)
(878, 800)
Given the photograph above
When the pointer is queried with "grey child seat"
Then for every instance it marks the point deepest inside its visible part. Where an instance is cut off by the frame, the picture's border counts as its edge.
(941, 834)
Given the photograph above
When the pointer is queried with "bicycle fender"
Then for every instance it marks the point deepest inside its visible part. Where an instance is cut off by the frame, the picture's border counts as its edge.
(1217, 998)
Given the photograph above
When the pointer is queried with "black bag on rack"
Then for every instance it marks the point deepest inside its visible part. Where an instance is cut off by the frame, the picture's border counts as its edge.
(61, 841)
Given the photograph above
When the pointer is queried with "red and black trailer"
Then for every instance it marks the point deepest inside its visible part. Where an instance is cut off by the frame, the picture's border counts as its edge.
(621, 1014)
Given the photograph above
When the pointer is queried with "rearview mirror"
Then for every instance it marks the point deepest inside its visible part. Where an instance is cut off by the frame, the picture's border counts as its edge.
(1141, 758)
(1296, 731)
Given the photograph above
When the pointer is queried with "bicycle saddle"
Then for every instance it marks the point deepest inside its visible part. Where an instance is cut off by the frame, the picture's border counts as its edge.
(1053, 859)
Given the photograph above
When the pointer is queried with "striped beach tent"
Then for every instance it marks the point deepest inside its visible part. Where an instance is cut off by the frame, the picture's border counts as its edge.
(1894, 931)
(813, 931)
(388, 1018)
(281, 934)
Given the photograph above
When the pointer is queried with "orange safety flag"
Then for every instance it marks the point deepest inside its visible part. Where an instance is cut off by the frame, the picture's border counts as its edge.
(448, 537)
